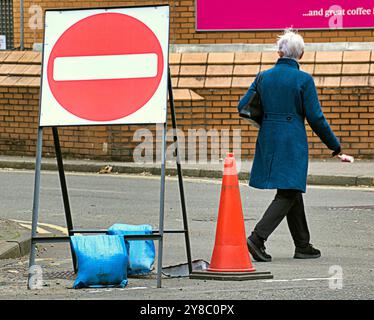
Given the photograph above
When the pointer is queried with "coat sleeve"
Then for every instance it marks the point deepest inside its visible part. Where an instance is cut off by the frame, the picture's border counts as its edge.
(315, 116)
(245, 99)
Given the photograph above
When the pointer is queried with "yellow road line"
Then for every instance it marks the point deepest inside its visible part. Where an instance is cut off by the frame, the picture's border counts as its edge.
(38, 230)
(55, 227)
(48, 225)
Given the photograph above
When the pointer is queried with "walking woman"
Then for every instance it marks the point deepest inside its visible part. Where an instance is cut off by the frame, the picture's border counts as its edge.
(288, 96)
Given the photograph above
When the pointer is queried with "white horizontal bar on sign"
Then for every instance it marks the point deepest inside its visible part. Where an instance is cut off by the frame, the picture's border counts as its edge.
(105, 67)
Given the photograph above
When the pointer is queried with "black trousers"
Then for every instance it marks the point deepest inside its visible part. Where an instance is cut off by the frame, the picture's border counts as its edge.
(287, 203)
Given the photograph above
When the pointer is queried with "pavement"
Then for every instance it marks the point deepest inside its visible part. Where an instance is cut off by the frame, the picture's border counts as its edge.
(14, 243)
(14, 240)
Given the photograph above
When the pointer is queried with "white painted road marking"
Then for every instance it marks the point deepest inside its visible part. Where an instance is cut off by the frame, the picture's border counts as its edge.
(296, 280)
(124, 66)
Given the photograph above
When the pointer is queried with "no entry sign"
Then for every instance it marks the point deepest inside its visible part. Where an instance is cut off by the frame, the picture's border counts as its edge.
(105, 66)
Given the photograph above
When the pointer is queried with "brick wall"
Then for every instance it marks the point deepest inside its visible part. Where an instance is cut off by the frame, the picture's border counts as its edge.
(207, 87)
(18, 127)
(350, 112)
(182, 24)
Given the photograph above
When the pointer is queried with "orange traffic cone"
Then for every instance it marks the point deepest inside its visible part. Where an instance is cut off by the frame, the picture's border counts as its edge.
(230, 258)
(230, 252)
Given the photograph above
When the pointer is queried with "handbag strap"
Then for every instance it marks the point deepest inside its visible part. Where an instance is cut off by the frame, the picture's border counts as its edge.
(259, 81)
(258, 84)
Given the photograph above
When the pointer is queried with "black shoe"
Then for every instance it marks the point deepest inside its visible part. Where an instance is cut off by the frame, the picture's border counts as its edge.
(258, 252)
(307, 252)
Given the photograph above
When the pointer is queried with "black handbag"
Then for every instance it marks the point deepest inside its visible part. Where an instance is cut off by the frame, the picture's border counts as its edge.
(253, 110)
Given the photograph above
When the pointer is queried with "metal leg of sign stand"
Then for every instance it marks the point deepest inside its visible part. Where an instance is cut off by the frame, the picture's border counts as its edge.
(162, 208)
(181, 190)
(180, 175)
(35, 207)
(36, 201)
(64, 190)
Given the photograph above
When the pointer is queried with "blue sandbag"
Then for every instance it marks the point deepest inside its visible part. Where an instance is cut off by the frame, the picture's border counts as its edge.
(102, 261)
(141, 252)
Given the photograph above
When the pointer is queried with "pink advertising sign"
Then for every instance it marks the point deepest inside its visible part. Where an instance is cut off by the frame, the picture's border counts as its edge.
(214, 15)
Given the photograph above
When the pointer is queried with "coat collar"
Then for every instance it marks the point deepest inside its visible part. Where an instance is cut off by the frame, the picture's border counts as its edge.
(287, 61)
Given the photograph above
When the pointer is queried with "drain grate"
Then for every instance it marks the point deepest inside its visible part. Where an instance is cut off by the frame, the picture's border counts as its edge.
(67, 275)
(70, 275)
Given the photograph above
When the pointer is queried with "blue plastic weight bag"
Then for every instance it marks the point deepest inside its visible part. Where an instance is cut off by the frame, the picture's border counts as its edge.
(102, 261)
(141, 252)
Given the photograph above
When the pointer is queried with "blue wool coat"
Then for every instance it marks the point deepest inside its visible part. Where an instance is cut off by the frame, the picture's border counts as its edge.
(288, 96)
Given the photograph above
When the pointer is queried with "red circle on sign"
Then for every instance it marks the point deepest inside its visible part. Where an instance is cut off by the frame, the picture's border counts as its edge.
(100, 35)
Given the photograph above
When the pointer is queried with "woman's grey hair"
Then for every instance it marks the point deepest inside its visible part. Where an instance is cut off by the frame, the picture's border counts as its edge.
(291, 44)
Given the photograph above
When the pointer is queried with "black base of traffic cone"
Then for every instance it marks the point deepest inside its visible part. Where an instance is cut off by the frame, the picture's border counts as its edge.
(231, 276)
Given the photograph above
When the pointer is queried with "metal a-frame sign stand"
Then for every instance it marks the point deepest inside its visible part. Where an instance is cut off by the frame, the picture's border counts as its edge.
(156, 235)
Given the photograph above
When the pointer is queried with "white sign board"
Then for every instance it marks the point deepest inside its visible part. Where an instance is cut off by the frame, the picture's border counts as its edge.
(2, 42)
(105, 66)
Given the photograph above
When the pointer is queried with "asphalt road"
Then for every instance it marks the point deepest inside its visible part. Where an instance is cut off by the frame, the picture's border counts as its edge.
(340, 221)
